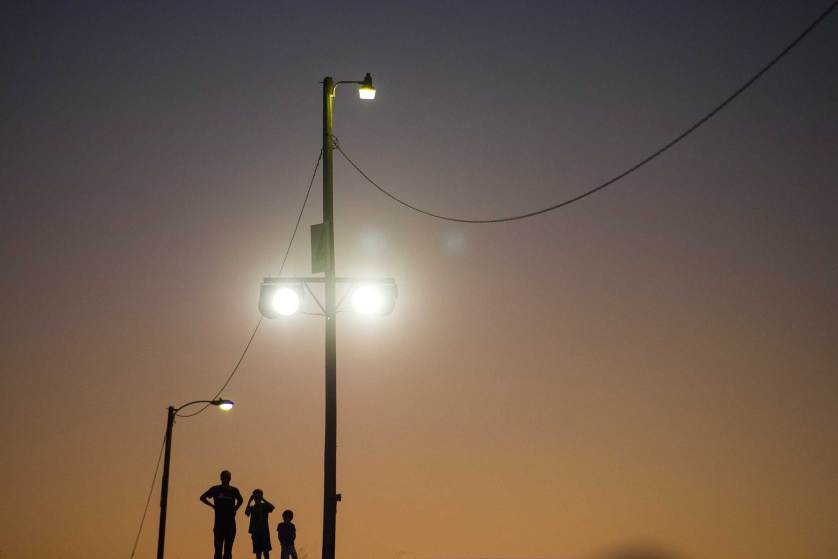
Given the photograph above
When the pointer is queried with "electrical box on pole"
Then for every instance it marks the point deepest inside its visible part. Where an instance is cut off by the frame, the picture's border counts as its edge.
(319, 248)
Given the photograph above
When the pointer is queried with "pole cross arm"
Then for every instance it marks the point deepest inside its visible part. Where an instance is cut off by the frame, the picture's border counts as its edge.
(275, 280)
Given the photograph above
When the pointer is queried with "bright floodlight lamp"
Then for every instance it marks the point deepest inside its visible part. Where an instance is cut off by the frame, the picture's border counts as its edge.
(366, 91)
(280, 299)
(374, 299)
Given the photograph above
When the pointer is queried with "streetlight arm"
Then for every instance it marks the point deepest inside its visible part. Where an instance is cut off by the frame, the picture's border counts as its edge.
(336, 84)
(213, 402)
(338, 279)
(367, 82)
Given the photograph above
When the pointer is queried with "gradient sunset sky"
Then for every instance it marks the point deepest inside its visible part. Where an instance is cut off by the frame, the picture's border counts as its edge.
(656, 364)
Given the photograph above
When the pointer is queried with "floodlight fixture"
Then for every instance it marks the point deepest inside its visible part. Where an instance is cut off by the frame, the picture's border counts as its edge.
(280, 299)
(374, 298)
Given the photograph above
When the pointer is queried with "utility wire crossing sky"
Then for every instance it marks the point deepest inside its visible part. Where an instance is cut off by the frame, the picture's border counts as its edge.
(739, 91)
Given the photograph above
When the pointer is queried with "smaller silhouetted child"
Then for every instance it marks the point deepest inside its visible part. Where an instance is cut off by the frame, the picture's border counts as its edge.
(287, 533)
(258, 509)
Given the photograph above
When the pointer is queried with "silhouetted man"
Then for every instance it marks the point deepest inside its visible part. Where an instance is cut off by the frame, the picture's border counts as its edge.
(226, 500)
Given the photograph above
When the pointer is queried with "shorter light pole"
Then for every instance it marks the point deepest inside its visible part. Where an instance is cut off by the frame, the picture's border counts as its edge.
(167, 457)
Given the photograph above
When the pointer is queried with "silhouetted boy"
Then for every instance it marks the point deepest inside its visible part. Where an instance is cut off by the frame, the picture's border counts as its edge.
(226, 500)
(287, 533)
(259, 529)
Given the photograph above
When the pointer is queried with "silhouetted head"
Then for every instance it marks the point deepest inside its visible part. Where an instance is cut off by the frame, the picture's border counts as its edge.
(287, 515)
(257, 494)
(226, 476)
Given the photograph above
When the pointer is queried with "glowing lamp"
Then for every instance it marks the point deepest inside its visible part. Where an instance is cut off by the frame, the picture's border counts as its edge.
(374, 299)
(280, 299)
(366, 91)
(225, 405)
(285, 301)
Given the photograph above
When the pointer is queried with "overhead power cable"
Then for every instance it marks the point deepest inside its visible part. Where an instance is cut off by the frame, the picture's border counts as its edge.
(259, 322)
(660, 151)
(300, 215)
(232, 373)
(148, 499)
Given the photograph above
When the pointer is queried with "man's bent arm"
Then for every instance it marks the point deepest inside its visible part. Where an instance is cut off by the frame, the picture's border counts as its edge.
(205, 499)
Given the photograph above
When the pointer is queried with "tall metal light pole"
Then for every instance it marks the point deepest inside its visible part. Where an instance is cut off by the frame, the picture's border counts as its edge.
(167, 458)
(371, 296)
(330, 494)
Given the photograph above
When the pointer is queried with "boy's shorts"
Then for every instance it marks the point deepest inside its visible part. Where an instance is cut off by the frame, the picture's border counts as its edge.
(261, 542)
(287, 551)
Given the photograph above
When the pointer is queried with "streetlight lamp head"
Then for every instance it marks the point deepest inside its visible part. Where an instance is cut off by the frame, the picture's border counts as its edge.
(367, 91)
(225, 405)
(279, 299)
